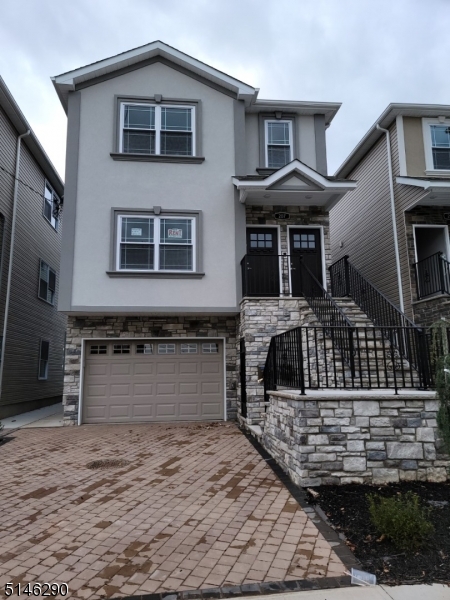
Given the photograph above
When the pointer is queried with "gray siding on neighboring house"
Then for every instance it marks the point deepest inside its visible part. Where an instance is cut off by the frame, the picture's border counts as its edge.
(362, 222)
(30, 318)
(405, 196)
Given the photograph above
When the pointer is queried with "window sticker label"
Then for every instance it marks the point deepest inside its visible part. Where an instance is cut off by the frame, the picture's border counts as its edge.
(175, 233)
(136, 231)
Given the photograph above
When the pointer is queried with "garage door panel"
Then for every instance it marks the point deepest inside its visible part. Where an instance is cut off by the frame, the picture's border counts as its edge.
(144, 368)
(97, 390)
(189, 368)
(118, 368)
(189, 388)
(189, 409)
(119, 389)
(143, 389)
(166, 410)
(211, 367)
(97, 369)
(210, 387)
(119, 410)
(134, 387)
(211, 409)
(166, 389)
(140, 411)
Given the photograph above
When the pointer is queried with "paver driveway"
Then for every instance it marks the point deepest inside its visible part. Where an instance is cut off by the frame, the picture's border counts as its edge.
(197, 507)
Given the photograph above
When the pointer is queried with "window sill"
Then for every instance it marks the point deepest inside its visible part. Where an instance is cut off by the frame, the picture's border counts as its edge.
(158, 158)
(438, 172)
(155, 275)
(265, 171)
(46, 301)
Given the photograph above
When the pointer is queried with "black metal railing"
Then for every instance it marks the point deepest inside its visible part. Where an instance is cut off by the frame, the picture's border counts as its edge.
(265, 275)
(347, 280)
(432, 276)
(243, 377)
(302, 359)
(329, 314)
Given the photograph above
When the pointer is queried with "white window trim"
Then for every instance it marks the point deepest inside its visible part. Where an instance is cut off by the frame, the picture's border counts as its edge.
(45, 378)
(157, 129)
(53, 222)
(266, 139)
(429, 165)
(156, 242)
(47, 282)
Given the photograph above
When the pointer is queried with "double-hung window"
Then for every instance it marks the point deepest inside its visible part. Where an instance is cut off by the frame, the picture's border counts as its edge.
(51, 200)
(278, 136)
(436, 134)
(155, 243)
(47, 283)
(157, 129)
(44, 351)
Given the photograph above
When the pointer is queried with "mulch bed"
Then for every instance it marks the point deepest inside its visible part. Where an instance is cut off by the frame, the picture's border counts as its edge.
(347, 510)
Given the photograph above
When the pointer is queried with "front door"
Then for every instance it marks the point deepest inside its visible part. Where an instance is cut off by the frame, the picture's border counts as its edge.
(261, 269)
(305, 246)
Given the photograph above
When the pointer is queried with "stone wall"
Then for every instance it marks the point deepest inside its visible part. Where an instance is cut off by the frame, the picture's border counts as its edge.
(261, 319)
(430, 310)
(79, 328)
(336, 441)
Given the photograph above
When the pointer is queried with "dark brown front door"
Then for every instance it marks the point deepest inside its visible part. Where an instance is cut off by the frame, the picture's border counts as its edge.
(305, 246)
(261, 268)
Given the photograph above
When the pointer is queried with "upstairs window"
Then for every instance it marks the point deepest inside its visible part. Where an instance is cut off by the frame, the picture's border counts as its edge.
(278, 136)
(51, 201)
(47, 283)
(157, 129)
(155, 243)
(440, 146)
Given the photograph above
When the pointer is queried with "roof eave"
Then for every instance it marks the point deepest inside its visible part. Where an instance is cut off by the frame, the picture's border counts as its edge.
(20, 123)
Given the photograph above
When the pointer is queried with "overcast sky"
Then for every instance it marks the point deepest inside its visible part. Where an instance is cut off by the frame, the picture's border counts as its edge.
(363, 53)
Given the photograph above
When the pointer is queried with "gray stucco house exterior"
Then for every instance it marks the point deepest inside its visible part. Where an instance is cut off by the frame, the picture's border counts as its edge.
(186, 195)
(394, 226)
(32, 330)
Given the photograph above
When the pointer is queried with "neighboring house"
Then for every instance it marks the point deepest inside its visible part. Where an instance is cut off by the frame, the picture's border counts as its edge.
(394, 226)
(176, 174)
(31, 369)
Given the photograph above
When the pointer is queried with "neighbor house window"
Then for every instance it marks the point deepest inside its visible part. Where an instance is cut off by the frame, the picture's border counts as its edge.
(440, 146)
(157, 129)
(155, 243)
(436, 135)
(47, 283)
(51, 200)
(278, 136)
(44, 349)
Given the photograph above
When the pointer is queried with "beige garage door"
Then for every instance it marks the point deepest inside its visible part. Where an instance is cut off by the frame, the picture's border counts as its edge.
(153, 380)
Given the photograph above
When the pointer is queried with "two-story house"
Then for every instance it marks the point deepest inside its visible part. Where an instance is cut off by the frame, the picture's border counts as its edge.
(184, 193)
(32, 331)
(394, 226)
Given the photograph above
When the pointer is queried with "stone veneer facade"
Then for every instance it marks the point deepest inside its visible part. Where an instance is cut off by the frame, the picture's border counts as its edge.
(79, 328)
(355, 440)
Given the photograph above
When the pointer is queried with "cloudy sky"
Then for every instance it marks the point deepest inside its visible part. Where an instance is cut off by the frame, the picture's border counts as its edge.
(363, 53)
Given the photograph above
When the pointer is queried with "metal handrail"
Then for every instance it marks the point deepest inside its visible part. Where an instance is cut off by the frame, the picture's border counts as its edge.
(300, 358)
(432, 275)
(329, 314)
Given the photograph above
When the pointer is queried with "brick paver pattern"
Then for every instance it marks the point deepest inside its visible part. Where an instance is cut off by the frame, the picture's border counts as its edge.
(197, 507)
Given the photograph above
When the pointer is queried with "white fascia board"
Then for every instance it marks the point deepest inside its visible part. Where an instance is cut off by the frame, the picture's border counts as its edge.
(158, 48)
(293, 167)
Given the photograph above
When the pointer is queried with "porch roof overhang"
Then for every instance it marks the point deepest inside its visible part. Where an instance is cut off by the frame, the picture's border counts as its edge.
(295, 184)
(436, 192)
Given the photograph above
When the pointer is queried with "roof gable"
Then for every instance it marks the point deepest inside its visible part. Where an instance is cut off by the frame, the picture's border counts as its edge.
(134, 59)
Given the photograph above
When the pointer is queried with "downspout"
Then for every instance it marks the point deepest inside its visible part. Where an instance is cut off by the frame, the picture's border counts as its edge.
(11, 253)
(394, 220)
